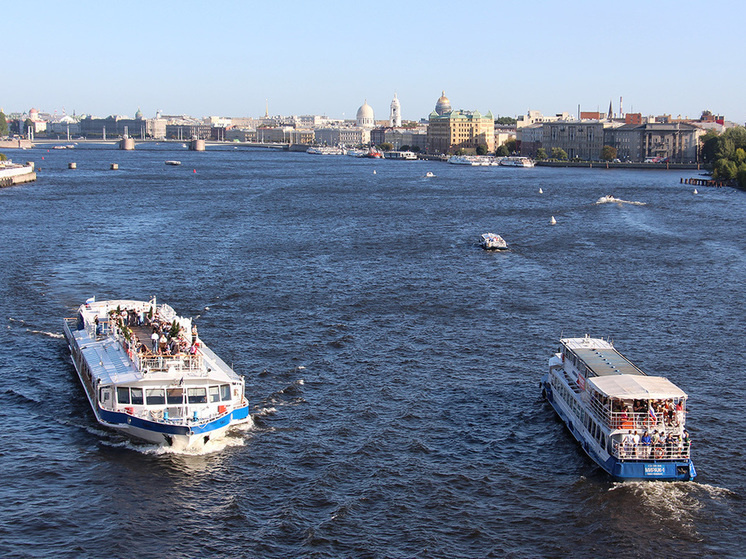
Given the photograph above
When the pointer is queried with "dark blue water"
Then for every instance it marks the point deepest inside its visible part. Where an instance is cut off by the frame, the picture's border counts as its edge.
(392, 365)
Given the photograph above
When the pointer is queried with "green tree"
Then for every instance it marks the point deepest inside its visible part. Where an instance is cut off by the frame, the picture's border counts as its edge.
(725, 169)
(386, 146)
(405, 147)
(709, 144)
(512, 145)
(608, 153)
(740, 156)
(741, 175)
(3, 157)
(3, 124)
(505, 120)
(541, 154)
(482, 149)
(559, 153)
(502, 151)
(28, 123)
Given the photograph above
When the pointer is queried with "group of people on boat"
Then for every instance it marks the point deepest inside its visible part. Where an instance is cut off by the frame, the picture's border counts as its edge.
(658, 445)
(167, 338)
(640, 414)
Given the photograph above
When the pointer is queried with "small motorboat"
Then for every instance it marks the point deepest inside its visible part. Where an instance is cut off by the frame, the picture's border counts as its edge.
(491, 241)
(429, 174)
(552, 221)
(173, 162)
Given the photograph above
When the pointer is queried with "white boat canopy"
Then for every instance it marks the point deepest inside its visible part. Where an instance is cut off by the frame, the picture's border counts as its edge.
(636, 387)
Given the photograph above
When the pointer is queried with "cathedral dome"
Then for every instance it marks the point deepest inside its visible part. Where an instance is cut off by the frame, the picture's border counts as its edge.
(443, 105)
(365, 116)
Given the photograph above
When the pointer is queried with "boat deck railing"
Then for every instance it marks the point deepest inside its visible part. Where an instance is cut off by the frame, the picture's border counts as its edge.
(640, 421)
(670, 451)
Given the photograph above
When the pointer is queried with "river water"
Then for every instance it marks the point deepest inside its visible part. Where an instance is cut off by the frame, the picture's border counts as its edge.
(392, 365)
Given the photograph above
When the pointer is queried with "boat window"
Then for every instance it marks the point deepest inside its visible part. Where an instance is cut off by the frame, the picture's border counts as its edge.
(225, 392)
(197, 395)
(155, 396)
(214, 394)
(175, 395)
(123, 395)
(136, 395)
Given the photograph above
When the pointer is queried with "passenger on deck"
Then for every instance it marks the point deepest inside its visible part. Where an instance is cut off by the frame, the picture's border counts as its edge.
(162, 343)
(645, 442)
(154, 339)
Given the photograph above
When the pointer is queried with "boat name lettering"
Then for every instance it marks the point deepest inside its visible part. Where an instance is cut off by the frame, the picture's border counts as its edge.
(654, 469)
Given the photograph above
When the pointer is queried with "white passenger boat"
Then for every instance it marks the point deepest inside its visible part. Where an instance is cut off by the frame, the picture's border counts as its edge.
(173, 391)
(491, 241)
(629, 423)
(326, 150)
(516, 162)
(473, 160)
(405, 155)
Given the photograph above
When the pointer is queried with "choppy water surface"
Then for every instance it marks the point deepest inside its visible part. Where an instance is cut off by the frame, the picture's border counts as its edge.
(392, 365)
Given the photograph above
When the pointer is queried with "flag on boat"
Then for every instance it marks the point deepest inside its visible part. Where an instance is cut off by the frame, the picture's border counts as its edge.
(652, 414)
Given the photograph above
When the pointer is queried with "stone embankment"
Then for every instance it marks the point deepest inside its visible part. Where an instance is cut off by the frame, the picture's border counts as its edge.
(11, 174)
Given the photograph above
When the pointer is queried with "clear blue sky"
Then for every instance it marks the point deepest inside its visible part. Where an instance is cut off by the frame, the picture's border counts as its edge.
(326, 57)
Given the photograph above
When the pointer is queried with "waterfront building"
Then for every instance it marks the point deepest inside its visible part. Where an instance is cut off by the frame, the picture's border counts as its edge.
(582, 139)
(187, 131)
(342, 136)
(529, 138)
(450, 131)
(675, 142)
(504, 133)
(113, 126)
(535, 117)
(395, 119)
(413, 138)
(240, 135)
(64, 126)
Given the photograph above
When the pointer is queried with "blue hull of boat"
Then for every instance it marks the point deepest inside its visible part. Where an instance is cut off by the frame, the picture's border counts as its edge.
(626, 470)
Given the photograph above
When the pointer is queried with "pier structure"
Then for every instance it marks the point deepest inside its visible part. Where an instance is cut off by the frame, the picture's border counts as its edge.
(705, 182)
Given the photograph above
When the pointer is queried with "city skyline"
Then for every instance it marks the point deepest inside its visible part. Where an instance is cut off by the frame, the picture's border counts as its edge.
(221, 59)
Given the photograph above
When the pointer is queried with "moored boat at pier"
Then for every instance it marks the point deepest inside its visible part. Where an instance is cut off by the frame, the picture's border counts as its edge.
(629, 423)
(148, 375)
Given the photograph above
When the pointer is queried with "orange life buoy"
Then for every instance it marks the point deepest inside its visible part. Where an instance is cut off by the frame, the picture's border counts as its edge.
(658, 452)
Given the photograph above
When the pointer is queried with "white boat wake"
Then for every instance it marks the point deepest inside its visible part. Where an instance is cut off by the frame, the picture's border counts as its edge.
(610, 199)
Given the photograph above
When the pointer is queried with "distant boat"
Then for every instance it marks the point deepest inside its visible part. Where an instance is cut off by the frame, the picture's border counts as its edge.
(429, 174)
(541, 191)
(695, 191)
(173, 162)
(491, 241)
(516, 162)
(553, 221)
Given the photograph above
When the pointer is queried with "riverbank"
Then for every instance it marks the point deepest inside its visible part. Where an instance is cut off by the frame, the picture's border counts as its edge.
(609, 165)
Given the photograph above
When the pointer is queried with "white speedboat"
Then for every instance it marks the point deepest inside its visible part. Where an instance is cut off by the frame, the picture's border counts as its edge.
(514, 161)
(491, 241)
(629, 423)
(172, 162)
(171, 390)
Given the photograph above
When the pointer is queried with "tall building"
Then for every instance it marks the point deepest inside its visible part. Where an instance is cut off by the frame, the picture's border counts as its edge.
(365, 118)
(395, 119)
(449, 131)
